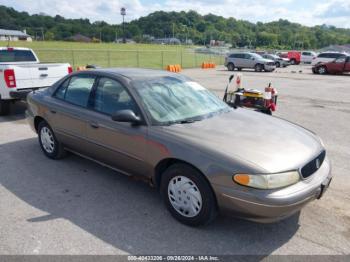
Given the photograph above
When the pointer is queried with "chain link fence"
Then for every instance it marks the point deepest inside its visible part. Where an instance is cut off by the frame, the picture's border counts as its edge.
(127, 58)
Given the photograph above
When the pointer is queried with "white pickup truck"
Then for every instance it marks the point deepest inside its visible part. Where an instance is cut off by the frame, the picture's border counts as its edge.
(21, 72)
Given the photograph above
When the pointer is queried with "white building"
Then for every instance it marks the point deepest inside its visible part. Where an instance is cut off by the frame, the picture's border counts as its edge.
(14, 35)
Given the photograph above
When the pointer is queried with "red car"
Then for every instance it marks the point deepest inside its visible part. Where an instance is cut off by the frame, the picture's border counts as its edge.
(293, 56)
(338, 66)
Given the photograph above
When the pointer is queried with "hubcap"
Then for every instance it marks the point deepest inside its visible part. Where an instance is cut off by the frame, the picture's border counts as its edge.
(322, 70)
(184, 196)
(47, 140)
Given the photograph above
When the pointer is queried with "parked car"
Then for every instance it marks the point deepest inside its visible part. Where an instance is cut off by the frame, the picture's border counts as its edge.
(21, 72)
(338, 66)
(327, 57)
(201, 154)
(279, 61)
(294, 57)
(307, 57)
(249, 60)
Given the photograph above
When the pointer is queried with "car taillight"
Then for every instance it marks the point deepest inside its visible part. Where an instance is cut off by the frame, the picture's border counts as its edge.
(70, 69)
(9, 76)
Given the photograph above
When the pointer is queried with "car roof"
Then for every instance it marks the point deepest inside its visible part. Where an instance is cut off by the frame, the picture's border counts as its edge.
(138, 73)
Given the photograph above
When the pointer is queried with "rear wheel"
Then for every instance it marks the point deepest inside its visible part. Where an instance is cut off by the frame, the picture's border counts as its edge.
(187, 195)
(5, 107)
(322, 70)
(278, 64)
(293, 61)
(51, 147)
(231, 67)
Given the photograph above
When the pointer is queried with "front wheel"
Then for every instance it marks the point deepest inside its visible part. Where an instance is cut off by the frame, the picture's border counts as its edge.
(278, 64)
(51, 147)
(188, 196)
(258, 67)
(322, 70)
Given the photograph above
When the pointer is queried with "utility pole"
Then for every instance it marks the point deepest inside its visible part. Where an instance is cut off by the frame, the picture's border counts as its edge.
(42, 34)
(173, 30)
(123, 13)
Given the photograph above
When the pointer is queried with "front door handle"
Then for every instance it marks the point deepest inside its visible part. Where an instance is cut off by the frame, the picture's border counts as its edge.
(94, 125)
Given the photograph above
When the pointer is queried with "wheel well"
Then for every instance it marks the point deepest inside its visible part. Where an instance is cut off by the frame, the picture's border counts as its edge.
(37, 121)
(166, 163)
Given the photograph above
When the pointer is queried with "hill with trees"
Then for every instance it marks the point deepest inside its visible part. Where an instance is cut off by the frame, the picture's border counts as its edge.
(280, 34)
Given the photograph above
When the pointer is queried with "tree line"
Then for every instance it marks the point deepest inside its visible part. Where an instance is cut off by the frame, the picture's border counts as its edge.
(280, 34)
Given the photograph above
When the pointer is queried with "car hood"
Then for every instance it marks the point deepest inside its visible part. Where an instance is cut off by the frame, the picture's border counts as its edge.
(271, 144)
(264, 60)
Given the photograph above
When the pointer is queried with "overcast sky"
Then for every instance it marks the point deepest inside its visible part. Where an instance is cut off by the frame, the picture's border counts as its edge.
(307, 12)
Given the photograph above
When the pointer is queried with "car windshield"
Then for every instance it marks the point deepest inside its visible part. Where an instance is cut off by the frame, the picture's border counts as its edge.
(170, 100)
(257, 56)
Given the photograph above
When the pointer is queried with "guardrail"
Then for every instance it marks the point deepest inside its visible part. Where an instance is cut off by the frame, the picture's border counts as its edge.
(127, 58)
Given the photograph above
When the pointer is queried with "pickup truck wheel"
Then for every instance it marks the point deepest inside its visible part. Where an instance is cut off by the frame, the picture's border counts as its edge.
(187, 195)
(293, 61)
(51, 147)
(5, 107)
(231, 67)
(322, 70)
(258, 68)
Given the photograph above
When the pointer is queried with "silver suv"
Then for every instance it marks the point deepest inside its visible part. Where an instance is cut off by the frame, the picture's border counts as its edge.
(249, 60)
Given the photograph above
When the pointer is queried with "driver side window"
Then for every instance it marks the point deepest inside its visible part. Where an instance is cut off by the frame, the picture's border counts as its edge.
(111, 96)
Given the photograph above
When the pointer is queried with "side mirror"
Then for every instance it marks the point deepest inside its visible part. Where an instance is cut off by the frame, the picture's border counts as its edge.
(127, 116)
(231, 77)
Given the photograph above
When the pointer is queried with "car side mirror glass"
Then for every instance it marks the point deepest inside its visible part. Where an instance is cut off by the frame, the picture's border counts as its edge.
(127, 116)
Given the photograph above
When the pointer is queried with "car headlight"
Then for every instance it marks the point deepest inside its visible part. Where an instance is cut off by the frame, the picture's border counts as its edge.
(267, 181)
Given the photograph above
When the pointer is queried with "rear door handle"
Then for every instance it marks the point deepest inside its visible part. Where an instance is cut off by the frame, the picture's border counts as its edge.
(94, 125)
(43, 75)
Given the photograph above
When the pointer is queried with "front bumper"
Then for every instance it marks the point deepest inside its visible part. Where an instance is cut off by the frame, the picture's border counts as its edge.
(268, 206)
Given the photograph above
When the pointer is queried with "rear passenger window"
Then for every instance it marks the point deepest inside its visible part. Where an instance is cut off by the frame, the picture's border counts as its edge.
(77, 91)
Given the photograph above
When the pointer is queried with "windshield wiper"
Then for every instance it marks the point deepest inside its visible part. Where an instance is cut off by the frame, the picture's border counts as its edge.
(183, 121)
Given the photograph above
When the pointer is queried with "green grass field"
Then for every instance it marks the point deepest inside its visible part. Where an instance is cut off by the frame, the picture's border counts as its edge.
(117, 55)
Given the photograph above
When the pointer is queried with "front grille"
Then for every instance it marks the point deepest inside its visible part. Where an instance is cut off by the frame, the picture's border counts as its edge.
(313, 165)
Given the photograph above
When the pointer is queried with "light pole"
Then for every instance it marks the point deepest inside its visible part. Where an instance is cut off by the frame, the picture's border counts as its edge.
(123, 13)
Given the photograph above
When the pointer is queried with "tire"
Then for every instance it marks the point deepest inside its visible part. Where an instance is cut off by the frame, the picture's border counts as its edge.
(239, 69)
(193, 203)
(293, 62)
(51, 147)
(5, 107)
(231, 67)
(278, 64)
(258, 68)
(322, 70)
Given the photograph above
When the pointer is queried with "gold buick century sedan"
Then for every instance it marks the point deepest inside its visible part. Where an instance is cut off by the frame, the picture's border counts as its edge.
(202, 155)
